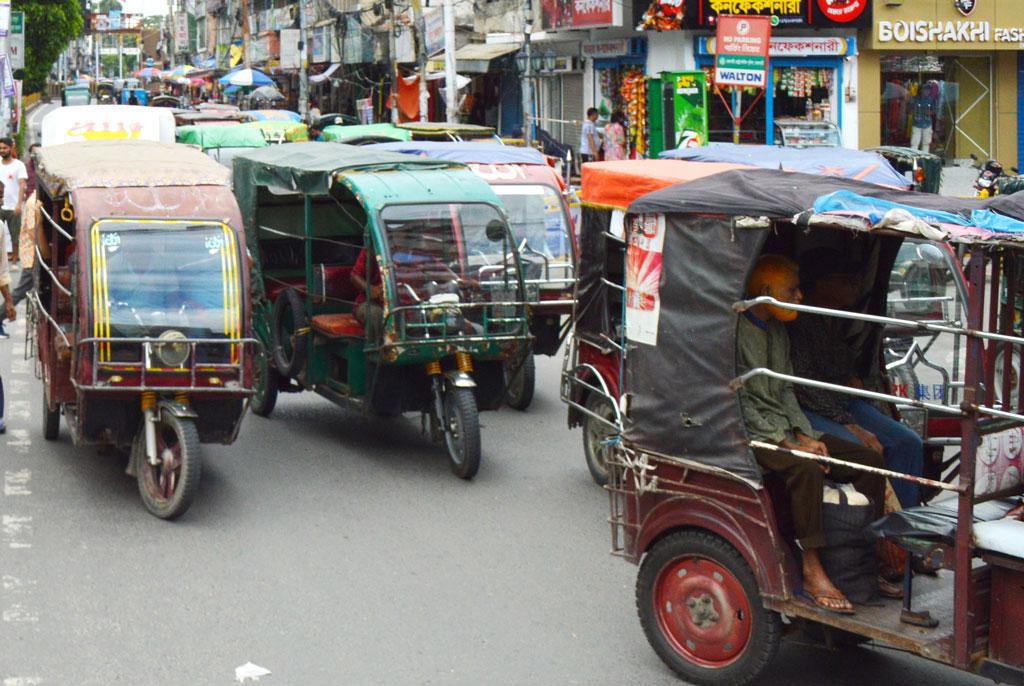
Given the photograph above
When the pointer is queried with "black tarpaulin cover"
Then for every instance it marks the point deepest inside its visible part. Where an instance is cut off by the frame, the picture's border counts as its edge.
(680, 400)
(769, 193)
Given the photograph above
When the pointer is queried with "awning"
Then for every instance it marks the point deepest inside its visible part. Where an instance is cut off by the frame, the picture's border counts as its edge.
(475, 58)
(326, 74)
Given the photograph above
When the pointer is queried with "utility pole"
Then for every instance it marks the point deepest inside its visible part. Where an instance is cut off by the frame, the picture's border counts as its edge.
(120, 56)
(96, 45)
(172, 34)
(245, 34)
(393, 57)
(527, 86)
(450, 81)
(421, 56)
(5, 24)
(303, 63)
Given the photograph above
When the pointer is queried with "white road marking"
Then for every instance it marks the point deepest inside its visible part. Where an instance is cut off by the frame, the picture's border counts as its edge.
(22, 681)
(15, 386)
(19, 409)
(15, 529)
(12, 584)
(16, 483)
(19, 366)
(18, 614)
(250, 671)
(18, 440)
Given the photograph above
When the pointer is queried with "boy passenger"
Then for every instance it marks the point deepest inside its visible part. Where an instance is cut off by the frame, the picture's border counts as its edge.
(772, 414)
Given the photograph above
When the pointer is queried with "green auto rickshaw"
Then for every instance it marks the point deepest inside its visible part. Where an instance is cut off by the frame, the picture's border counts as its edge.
(222, 143)
(383, 281)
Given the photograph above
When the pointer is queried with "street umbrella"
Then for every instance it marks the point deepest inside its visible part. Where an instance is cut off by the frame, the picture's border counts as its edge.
(181, 70)
(246, 77)
(149, 73)
(267, 93)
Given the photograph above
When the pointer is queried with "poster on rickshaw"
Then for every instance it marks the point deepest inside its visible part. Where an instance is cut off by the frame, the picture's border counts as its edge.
(643, 277)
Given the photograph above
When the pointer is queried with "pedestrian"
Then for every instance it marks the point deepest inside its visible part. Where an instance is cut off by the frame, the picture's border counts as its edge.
(14, 177)
(615, 147)
(314, 112)
(5, 291)
(590, 139)
(29, 227)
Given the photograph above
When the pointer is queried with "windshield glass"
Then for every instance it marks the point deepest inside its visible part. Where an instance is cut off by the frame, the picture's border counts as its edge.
(148, 277)
(536, 214)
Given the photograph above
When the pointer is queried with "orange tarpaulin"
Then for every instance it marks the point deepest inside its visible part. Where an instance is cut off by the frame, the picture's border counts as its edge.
(617, 184)
(408, 98)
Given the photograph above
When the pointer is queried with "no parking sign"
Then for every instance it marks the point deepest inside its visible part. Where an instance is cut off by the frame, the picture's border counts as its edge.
(741, 51)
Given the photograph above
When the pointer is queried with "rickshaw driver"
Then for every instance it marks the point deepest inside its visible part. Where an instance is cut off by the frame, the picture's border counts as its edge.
(772, 415)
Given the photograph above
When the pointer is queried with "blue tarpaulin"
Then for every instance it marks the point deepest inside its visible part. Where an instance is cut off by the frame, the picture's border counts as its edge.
(875, 209)
(842, 162)
(466, 153)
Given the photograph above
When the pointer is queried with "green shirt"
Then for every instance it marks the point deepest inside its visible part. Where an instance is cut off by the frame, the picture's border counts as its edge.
(770, 409)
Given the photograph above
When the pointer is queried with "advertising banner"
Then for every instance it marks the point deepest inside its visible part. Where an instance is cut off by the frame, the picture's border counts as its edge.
(576, 14)
(16, 40)
(788, 13)
(290, 49)
(741, 57)
(643, 278)
(691, 109)
(434, 24)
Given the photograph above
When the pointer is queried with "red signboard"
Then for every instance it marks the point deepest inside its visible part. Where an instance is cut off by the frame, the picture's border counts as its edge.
(741, 51)
(575, 14)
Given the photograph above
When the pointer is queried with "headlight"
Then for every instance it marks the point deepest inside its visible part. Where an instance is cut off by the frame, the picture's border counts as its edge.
(174, 352)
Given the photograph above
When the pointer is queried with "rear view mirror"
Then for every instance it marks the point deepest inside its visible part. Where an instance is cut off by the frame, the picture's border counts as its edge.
(495, 231)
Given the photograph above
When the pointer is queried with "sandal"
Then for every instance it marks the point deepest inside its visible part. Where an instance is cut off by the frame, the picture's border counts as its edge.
(820, 601)
(889, 589)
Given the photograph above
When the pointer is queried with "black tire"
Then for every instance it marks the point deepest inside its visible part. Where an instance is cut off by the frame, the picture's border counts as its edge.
(265, 381)
(51, 420)
(168, 489)
(291, 333)
(520, 388)
(594, 432)
(462, 439)
(679, 613)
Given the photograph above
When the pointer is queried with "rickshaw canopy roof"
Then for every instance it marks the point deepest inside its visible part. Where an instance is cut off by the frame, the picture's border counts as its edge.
(440, 130)
(614, 185)
(117, 164)
(841, 162)
(210, 137)
(467, 152)
(340, 134)
(291, 130)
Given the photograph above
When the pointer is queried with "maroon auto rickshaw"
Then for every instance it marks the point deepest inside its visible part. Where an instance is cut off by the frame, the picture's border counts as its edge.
(719, 580)
(141, 309)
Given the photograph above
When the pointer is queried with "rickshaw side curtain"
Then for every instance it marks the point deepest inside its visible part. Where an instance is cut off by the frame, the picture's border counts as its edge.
(680, 401)
(591, 317)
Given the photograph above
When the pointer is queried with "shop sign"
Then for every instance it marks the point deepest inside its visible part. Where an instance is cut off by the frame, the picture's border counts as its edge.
(576, 14)
(433, 21)
(785, 46)
(606, 48)
(947, 32)
(818, 13)
(965, 7)
(320, 45)
(181, 32)
(290, 49)
(742, 57)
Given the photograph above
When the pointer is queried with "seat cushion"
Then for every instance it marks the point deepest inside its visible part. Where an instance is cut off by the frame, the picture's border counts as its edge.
(1003, 536)
(337, 326)
(936, 521)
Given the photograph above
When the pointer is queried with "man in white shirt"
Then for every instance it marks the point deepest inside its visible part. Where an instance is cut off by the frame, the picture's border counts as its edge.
(590, 139)
(14, 177)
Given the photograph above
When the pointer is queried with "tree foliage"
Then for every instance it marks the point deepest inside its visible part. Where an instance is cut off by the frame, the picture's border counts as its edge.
(49, 26)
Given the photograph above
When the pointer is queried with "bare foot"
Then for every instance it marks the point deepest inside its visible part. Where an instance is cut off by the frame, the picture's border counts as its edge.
(820, 588)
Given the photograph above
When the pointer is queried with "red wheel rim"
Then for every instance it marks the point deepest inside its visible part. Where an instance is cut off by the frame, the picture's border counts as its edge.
(162, 479)
(702, 611)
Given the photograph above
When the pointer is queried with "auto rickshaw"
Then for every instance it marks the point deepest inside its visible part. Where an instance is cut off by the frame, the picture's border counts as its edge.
(222, 143)
(106, 94)
(279, 131)
(719, 580)
(922, 169)
(442, 305)
(364, 134)
(442, 131)
(536, 199)
(142, 310)
(76, 94)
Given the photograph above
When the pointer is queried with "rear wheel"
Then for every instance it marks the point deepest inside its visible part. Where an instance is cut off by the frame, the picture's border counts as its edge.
(700, 608)
(462, 434)
(290, 333)
(51, 419)
(521, 381)
(168, 487)
(595, 436)
(265, 383)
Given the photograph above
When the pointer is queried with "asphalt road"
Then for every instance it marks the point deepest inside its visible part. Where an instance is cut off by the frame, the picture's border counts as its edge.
(330, 549)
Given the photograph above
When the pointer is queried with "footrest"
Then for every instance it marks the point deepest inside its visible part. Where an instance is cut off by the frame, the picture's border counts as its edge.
(337, 326)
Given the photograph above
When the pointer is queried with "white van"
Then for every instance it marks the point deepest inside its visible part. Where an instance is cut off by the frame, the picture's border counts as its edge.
(107, 122)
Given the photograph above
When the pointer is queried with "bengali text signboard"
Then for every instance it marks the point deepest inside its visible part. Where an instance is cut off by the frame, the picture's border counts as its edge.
(741, 51)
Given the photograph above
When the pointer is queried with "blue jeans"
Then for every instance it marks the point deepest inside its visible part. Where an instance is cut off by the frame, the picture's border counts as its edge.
(903, 449)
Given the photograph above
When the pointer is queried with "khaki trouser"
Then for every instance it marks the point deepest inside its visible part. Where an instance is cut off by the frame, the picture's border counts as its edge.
(371, 316)
(805, 483)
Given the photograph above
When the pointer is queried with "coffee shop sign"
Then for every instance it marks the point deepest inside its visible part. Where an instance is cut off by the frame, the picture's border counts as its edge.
(946, 32)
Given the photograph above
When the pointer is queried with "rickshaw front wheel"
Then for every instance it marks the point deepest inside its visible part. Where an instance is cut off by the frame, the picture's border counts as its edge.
(168, 488)
(462, 432)
(700, 608)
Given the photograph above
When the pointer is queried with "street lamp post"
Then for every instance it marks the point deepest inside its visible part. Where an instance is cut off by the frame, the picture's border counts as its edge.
(527, 86)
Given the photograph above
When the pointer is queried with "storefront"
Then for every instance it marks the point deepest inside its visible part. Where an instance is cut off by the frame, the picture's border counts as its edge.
(943, 76)
(620, 85)
(813, 59)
